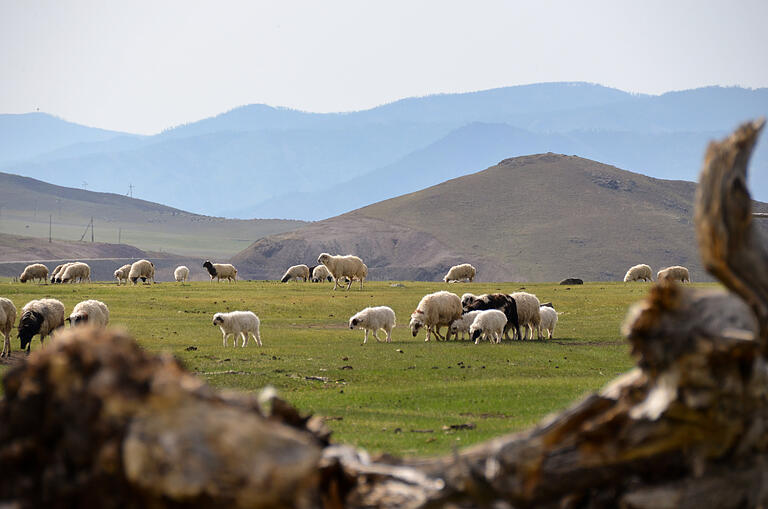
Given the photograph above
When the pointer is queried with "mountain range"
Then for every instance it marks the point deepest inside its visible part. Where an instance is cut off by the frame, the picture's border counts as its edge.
(260, 161)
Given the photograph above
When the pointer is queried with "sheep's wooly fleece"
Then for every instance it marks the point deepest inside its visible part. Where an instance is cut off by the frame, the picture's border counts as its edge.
(34, 271)
(548, 320)
(143, 269)
(674, 273)
(489, 324)
(528, 312)
(459, 272)
(349, 266)
(42, 317)
(435, 310)
(91, 312)
(240, 324)
(77, 271)
(638, 272)
(373, 319)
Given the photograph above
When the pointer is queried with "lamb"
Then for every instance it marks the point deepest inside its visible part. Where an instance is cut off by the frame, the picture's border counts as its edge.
(434, 311)
(528, 313)
(239, 324)
(548, 320)
(42, 317)
(461, 324)
(460, 272)
(296, 272)
(341, 266)
(500, 301)
(372, 319)
(7, 319)
(143, 269)
(91, 312)
(488, 324)
(221, 271)
(77, 271)
(58, 272)
(34, 271)
(639, 272)
(181, 274)
(674, 273)
(121, 274)
(320, 273)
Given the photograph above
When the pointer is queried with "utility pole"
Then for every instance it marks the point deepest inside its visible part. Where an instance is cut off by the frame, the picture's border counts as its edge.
(130, 190)
(91, 229)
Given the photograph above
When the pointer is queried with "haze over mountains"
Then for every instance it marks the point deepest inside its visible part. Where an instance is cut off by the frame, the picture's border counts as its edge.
(259, 161)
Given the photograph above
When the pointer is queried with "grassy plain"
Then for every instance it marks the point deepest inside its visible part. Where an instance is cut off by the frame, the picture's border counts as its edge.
(394, 397)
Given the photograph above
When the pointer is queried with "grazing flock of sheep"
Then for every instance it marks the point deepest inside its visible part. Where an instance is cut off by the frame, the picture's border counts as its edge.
(489, 316)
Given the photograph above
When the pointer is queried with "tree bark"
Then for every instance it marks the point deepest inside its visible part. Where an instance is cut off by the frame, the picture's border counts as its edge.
(93, 420)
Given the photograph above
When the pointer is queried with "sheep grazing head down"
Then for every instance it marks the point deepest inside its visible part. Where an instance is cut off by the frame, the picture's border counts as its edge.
(417, 322)
(207, 265)
(476, 334)
(29, 325)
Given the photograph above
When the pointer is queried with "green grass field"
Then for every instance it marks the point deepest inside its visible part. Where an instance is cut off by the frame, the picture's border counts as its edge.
(401, 397)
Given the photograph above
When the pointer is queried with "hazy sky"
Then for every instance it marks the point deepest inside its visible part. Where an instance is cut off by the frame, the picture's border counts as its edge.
(142, 66)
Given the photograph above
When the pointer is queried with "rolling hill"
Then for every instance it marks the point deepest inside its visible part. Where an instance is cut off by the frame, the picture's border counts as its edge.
(543, 217)
(28, 206)
(261, 161)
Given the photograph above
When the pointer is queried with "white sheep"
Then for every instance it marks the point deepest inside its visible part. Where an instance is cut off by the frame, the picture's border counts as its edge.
(74, 272)
(548, 320)
(91, 312)
(7, 319)
(639, 272)
(56, 271)
(528, 313)
(39, 317)
(674, 273)
(296, 272)
(59, 271)
(181, 274)
(320, 274)
(460, 272)
(221, 271)
(34, 271)
(142, 269)
(434, 311)
(372, 319)
(238, 323)
(344, 266)
(488, 324)
(461, 324)
(121, 274)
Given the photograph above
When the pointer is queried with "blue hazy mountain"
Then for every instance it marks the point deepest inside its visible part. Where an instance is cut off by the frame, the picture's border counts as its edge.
(261, 161)
(23, 136)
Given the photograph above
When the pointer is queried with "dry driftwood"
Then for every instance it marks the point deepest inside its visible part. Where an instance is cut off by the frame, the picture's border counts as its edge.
(93, 420)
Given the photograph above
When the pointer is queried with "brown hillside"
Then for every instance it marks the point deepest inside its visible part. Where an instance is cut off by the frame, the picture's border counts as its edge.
(534, 218)
(19, 248)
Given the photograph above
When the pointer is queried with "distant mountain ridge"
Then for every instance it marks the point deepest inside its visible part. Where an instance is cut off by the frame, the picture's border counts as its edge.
(261, 161)
(543, 217)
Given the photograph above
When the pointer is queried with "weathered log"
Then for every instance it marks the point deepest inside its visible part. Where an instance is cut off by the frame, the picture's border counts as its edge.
(93, 420)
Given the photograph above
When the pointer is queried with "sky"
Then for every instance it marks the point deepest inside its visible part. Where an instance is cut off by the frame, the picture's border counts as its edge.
(144, 66)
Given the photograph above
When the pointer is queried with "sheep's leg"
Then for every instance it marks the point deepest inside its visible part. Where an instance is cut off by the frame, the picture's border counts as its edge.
(6, 346)
(335, 282)
(349, 285)
(365, 340)
(361, 283)
(246, 336)
(389, 335)
(376, 336)
(224, 338)
(258, 337)
(437, 333)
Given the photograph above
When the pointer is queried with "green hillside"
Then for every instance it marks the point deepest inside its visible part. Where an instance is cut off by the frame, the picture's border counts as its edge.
(28, 206)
